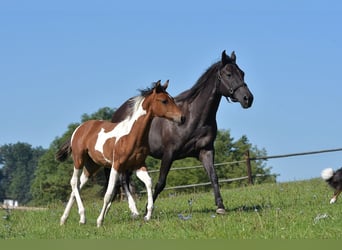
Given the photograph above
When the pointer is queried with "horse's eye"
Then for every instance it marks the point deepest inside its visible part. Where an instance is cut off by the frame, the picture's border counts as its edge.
(164, 101)
(229, 75)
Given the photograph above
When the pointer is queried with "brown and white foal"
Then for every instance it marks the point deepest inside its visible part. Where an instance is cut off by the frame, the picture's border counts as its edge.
(119, 146)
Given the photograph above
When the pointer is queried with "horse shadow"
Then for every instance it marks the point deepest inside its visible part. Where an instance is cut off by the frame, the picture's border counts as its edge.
(239, 209)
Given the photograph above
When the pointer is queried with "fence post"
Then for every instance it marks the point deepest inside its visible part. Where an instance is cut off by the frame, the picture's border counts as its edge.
(249, 168)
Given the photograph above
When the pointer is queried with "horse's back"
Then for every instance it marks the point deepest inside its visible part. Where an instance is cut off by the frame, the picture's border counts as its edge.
(87, 133)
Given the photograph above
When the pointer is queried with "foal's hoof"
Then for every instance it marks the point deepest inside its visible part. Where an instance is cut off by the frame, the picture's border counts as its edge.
(135, 215)
(99, 223)
(62, 221)
(220, 211)
(146, 218)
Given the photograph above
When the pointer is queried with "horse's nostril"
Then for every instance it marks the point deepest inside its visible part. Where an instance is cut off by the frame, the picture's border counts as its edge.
(182, 119)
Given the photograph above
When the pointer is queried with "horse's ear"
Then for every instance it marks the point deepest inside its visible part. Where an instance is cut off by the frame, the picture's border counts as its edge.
(224, 58)
(157, 87)
(165, 84)
(233, 57)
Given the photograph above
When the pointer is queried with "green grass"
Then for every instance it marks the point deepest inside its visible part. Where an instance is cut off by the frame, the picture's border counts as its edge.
(294, 210)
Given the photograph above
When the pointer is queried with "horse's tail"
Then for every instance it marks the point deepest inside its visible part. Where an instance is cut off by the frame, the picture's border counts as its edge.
(64, 151)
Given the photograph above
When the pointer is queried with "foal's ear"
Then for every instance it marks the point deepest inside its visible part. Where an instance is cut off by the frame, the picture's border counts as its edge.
(157, 87)
(165, 85)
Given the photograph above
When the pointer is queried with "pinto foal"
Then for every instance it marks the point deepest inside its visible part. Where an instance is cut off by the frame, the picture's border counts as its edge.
(119, 146)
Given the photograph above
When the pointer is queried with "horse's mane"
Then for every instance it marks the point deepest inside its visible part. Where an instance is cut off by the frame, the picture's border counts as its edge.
(191, 93)
(128, 107)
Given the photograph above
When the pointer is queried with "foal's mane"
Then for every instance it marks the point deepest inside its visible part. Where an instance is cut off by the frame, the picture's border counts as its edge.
(190, 94)
(127, 108)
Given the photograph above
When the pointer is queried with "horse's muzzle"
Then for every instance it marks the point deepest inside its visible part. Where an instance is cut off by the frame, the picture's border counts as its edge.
(247, 101)
(180, 120)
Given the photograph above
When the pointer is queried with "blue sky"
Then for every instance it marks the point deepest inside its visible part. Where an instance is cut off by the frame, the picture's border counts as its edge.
(61, 59)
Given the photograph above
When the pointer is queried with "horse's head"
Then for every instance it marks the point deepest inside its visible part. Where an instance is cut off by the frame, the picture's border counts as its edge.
(231, 81)
(163, 105)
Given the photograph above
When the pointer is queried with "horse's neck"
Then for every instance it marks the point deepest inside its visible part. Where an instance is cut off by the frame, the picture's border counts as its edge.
(206, 104)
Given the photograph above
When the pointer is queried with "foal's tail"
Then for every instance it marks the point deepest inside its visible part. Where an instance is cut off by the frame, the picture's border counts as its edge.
(64, 151)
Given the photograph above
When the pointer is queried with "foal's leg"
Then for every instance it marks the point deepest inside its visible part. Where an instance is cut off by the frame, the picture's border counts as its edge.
(75, 194)
(108, 196)
(130, 199)
(143, 175)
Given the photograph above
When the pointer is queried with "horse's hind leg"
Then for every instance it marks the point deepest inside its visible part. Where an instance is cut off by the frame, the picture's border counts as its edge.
(81, 210)
(130, 199)
(75, 194)
(73, 183)
(143, 175)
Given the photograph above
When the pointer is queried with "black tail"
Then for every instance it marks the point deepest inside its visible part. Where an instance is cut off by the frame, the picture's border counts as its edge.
(64, 151)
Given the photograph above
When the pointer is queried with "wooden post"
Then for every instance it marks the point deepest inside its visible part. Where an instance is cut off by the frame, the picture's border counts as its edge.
(249, 168)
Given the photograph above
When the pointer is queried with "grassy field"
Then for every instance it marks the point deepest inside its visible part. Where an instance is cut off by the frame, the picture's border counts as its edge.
(294, 210)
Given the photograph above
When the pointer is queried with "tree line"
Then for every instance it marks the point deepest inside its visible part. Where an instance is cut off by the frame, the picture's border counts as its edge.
(33, 176)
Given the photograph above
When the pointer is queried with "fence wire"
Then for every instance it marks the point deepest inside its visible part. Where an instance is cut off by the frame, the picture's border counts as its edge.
(248, 159)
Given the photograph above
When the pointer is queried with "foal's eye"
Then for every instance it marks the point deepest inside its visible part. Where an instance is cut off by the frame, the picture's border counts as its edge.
(229, 75)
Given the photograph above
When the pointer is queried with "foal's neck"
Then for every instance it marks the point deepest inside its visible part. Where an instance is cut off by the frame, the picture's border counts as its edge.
(142, 127)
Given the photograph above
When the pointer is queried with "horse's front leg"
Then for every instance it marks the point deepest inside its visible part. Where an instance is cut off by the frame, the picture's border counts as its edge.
(143, 175)
(108, 196)
(207, 159)
(163, 172)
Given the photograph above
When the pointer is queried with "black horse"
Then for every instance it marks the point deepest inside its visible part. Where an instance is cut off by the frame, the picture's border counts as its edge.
(195, 138)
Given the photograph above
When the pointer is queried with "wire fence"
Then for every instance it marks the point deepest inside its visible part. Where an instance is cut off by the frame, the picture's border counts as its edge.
(247, 161)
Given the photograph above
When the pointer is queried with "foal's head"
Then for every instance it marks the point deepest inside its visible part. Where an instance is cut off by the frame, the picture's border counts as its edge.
(161, 104)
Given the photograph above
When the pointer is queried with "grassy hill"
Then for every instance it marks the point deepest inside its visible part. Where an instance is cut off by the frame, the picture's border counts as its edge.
(294, 210)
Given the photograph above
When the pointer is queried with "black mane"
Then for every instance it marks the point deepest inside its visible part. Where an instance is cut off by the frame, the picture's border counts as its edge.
(123, 111)
(191, 93)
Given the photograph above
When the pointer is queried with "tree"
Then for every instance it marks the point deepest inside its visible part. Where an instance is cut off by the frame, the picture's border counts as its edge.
(229, 151)
(19, 163)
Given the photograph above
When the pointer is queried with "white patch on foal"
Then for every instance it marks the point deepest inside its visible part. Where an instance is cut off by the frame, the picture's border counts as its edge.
(121, 129)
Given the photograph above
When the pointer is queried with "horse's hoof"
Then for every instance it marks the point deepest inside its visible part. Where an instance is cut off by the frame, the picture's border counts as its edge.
(62, 221)
(135, 215)
(99, 223)
(220, 211)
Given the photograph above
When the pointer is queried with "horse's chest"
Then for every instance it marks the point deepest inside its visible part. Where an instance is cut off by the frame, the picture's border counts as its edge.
(202, 136)
(130, 160)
